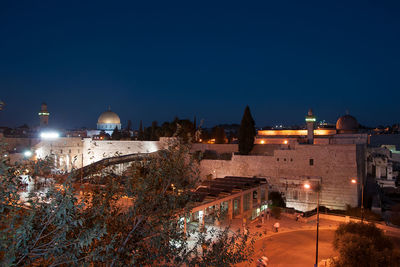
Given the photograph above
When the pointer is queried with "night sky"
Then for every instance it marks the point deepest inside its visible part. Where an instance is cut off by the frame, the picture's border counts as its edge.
(153, 60)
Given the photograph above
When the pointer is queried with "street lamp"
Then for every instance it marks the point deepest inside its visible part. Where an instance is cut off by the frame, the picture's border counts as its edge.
(354, 181)
(317, 189)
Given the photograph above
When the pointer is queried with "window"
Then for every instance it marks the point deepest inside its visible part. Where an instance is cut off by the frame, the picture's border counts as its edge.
(311, 162)
(277, 159)
(291, 159)
(295, 194)
(69, 151)
(61, 151)
(284, 159)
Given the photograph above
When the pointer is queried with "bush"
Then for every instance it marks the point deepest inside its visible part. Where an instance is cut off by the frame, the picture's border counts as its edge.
(276, 198)
(395, 218)
(276, 212)
(368, 215)
(361, 244)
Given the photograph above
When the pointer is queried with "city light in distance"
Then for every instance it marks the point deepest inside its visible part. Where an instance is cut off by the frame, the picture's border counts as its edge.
(27, 153)
(353, 181)
(307, 186)
(49, 135)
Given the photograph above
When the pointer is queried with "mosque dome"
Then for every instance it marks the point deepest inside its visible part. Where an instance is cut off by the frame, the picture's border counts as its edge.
(347, 124)
(108, 117)
(108, 120)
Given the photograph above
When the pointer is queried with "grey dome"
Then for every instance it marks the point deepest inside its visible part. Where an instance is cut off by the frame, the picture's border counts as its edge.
(347, 124)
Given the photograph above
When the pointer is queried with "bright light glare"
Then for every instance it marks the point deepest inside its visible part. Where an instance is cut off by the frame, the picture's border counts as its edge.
(307, 186)
(49, 135)
(27, 153)
(353, 181)
(285, 142)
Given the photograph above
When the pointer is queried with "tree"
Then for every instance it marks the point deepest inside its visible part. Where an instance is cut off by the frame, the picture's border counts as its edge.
(362, 244)
(219, 134)
(123, 220)
(276, 199)
(103, 135)
(129, 126)
(141, 133)
(154, 130)
(247, 132)
(116, 134)
(177, 128)
(52, 229)
(126, 133)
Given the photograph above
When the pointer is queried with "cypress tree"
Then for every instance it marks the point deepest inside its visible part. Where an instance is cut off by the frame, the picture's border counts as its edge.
(247, 132)
(116, 134)
(153, 134)
(141, 133)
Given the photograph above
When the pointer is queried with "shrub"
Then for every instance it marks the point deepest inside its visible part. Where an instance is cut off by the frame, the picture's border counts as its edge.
(276, 198)
(276, 212)
(362, 244)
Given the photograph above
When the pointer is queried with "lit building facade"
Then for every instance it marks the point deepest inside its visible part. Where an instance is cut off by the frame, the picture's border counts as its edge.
(346, 132)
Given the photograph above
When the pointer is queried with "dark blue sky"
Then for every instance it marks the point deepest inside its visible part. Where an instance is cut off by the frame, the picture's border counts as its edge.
(155, 60)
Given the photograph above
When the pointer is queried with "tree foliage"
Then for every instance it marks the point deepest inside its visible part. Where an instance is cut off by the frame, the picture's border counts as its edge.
(247, 132)
(361, 244)
(116, 134)
(184, 129)
(131, 220)
(276, 199)
(218, 132)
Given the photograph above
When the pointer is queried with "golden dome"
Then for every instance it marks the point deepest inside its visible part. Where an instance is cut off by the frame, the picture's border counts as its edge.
(108, 117)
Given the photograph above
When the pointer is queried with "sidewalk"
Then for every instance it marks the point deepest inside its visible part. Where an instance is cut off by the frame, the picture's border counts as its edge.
(260, 230)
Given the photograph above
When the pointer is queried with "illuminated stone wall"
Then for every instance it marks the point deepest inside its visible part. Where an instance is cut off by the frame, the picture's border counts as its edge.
(67, 152)
(218, 148)
(288, 169)
(75, 152)
(96, 150)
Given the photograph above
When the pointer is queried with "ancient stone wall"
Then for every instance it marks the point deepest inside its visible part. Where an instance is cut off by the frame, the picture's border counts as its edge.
(75, 152)
(67, 152)
(287, 170)
(218, 148)
(99, 149)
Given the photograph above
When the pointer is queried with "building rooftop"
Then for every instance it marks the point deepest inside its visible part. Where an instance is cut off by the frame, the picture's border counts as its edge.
(223, 187)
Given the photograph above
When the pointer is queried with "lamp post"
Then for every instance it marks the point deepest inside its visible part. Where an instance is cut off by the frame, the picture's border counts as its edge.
(317, 189)
(354, 181)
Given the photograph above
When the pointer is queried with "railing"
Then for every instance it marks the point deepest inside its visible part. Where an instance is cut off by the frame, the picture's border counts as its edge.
(104, 163)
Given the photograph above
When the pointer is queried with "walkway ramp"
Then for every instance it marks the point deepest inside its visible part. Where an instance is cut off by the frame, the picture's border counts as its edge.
(107, 162)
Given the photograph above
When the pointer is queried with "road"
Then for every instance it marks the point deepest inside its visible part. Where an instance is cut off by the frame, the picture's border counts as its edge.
(296, 248)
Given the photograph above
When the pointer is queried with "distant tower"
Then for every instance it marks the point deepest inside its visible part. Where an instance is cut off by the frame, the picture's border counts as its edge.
(44, 115)
(310, 120)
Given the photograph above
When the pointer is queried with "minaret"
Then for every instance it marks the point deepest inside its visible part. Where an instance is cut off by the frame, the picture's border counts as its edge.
(44, 115)
(310, 120)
